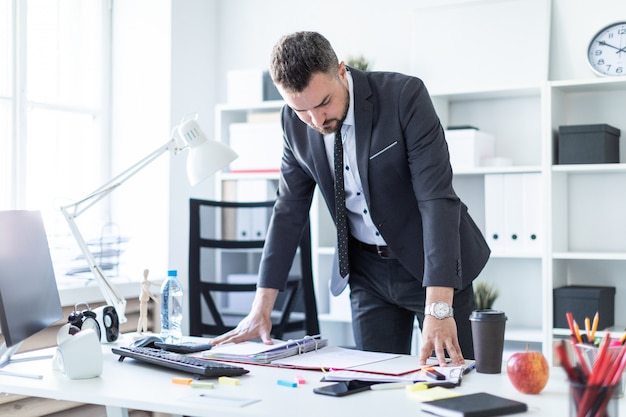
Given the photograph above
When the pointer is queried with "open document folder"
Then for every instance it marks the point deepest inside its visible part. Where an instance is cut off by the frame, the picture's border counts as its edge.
(312, 353)
(260, 353)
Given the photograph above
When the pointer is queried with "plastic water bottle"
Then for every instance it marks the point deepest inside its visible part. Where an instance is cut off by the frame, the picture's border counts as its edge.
(172, 308)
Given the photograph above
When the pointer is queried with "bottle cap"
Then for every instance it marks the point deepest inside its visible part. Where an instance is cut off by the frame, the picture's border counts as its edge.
(172, 273)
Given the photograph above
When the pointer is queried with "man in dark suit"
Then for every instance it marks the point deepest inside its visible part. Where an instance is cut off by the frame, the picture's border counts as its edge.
(413, 249)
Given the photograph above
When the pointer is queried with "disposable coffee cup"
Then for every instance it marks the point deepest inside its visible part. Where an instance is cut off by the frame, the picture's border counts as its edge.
(488, 338)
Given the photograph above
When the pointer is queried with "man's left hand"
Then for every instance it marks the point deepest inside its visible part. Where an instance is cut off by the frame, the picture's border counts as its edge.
(440, 336)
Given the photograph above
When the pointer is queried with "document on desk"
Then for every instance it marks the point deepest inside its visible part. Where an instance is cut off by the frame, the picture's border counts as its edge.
(260, 353)
(334, 357)
(451, 374)
(314, 355)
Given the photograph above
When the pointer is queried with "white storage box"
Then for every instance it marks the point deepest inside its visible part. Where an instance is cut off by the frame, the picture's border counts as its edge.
(259, 146)
(250, 87)
(468, 147)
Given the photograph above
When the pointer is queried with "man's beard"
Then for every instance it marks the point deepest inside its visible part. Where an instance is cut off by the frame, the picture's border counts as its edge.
(336, 123)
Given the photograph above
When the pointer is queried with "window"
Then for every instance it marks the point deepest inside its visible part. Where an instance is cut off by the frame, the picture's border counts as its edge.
(54, 108)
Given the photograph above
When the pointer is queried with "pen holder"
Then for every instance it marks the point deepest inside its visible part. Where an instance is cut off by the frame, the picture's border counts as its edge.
(593, 401)
(590, 353)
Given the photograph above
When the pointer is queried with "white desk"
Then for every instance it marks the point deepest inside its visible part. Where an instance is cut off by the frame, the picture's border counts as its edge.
(130, 385)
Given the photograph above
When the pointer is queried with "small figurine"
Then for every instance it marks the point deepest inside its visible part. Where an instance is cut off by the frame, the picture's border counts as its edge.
(145, 296)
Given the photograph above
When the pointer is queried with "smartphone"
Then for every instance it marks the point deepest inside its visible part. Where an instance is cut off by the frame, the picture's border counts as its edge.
(184, 347)
(341, 389)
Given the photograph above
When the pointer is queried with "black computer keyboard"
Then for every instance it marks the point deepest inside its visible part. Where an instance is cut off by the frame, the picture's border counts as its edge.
(193, 365)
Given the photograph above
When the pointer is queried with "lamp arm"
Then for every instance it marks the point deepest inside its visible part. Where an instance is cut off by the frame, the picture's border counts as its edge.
(111, 295)
(85, 203)
(71, 211)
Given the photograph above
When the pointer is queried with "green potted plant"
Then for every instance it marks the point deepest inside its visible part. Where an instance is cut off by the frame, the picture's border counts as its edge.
(485, 295)
(359, 62)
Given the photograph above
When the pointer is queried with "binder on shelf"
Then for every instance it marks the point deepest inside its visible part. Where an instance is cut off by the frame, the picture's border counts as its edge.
(533, 214)
(494, 211)
(251, 224)
(513, 211)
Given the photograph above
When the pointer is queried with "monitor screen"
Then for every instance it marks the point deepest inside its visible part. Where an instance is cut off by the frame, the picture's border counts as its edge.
(29, 298)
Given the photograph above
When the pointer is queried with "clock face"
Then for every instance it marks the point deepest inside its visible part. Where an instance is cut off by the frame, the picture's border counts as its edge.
(607, 51)
(90, 323)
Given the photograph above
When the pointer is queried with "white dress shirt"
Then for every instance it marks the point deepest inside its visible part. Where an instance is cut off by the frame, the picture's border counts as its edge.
(359, 219)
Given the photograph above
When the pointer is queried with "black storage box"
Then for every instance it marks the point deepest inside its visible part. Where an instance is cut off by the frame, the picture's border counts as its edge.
(584, 301)
(588, 144)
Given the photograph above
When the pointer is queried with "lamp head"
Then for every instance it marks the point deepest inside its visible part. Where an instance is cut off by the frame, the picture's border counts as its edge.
(206, 157)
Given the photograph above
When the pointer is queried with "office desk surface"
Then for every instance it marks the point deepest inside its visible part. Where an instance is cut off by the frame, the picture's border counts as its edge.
(131, 385)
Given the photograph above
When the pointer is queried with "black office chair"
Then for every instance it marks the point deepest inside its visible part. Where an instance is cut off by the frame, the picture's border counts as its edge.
(227, 238)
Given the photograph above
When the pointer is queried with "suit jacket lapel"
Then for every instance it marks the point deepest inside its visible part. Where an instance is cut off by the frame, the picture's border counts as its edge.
(318, 150)
(363, 110)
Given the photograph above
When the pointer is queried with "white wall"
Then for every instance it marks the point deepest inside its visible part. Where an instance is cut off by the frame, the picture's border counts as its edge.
(140, 124)
(211, 37)
(194, 80)
(249, 29)
(574, 23)
(163, 69)
(382, 31)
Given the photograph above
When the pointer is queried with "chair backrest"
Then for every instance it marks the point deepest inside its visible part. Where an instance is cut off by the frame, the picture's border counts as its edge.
(225, 243)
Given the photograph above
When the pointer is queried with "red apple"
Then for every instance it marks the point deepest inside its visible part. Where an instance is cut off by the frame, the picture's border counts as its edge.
(528, 371)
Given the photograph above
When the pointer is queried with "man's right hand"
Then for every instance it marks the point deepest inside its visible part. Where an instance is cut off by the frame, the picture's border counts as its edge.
(257, 324)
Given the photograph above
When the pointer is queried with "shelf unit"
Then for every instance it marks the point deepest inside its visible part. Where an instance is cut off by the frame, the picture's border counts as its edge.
(587, 203)
(582, 206)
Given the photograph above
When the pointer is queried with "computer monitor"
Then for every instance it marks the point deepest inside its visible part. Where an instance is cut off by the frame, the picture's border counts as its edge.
(29, 298)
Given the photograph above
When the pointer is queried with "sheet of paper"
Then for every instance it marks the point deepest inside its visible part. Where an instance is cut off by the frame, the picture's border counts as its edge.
(334, 357)
(220, 400)
(397, 365)
(451, 373)
(348, 375)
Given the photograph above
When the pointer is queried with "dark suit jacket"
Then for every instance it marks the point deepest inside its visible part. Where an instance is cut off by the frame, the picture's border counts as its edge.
(405, 170)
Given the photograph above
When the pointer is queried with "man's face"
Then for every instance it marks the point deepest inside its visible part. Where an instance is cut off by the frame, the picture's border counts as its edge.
(323, 104)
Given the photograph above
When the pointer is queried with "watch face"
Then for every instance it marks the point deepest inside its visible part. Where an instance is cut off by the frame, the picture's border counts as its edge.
(441, 310)
(607, 51)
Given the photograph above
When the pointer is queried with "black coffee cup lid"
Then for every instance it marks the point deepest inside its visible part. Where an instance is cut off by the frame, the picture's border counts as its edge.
(488, 315)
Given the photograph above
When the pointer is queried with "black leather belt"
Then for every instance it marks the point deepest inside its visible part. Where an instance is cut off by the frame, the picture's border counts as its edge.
(382, 251)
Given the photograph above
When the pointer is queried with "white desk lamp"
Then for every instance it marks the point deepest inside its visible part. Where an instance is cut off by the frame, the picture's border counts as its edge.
(205, 159)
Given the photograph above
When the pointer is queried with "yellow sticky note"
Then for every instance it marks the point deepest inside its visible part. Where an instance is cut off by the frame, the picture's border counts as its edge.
(434, 393)
(228, 380)
(418, 386)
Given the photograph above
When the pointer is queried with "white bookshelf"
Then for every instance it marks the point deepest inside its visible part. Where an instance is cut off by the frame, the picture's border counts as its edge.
(583, 206)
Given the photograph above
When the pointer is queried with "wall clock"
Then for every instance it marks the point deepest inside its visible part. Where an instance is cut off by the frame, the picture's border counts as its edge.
(607, 51)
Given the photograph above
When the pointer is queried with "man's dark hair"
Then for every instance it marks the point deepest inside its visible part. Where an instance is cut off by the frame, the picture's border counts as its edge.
(296, 57)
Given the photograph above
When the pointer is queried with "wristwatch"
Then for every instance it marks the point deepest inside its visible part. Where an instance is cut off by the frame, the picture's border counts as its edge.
(440, 310)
